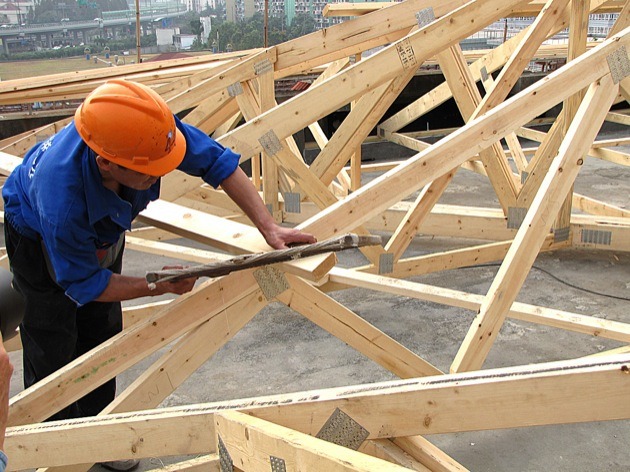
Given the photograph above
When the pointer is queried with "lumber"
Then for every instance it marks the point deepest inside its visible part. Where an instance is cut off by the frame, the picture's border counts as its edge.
(532, 232)
(567, 392)
(353, 330)
(448, 153)
(253, 443)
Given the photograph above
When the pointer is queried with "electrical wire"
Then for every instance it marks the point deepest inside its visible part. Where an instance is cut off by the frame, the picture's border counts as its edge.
(558, 279)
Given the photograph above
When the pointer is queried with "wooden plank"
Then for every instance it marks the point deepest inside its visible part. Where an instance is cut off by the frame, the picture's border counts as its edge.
(252, 442)
(123, 350)
(181, 360)
(535, 227)
(409, 226)
(428, 454)
(352, 37)
(452, 259)
(533, 314)
(354, 331)
(308, 106)
(385, 449)
(468, 98)
(450, 152)
(25, 141)
(363, 117)
(513, 69)
(566, 392)
(597, 207)
(225, 235)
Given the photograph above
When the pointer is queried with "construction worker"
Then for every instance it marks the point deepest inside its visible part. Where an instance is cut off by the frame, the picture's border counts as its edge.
(68, 204)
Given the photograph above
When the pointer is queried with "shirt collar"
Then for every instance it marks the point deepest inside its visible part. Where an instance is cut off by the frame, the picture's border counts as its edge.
(101, 201)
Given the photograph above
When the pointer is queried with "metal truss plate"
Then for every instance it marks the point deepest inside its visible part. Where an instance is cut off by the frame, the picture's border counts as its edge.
(515, 217)
(342, 430)
(235, 89)
(619, 64)
(406, 54)
(386, 263)
(263, 67)
(484, 74)
(292, 202)
(277, 464)
(524, 176)
(425, 16)
(271, 281)
(270, 143)
(594, 236)
(225, 461)
(561, 234)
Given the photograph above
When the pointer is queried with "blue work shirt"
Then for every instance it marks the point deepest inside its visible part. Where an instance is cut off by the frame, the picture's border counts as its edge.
(57, 195)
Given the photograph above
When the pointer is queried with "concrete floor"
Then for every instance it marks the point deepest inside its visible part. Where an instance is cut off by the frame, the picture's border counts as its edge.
(281, 352)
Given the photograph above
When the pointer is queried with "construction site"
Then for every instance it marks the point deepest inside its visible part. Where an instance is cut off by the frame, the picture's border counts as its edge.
(489, 330)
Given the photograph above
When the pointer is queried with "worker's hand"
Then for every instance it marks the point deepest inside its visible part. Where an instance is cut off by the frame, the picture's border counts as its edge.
(178, 287)
(280, 237)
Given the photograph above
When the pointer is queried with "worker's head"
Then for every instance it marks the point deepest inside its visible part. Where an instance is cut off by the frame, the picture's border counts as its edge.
(130, 125)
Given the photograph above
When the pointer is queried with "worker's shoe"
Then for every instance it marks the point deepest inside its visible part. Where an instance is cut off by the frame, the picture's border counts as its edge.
(128, 464)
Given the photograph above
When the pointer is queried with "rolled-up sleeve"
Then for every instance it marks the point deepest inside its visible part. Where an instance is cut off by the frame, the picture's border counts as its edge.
(74, 261)
(205, 157)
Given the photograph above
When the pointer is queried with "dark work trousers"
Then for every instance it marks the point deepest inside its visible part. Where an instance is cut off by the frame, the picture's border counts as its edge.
(55, 331)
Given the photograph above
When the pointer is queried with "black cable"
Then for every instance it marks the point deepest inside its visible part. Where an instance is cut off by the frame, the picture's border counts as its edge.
(564, 282)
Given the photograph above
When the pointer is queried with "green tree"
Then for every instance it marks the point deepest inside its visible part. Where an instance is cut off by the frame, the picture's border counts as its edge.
(302, 24)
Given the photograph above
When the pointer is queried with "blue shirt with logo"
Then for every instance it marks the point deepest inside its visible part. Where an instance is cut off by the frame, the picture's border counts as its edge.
(57, 195)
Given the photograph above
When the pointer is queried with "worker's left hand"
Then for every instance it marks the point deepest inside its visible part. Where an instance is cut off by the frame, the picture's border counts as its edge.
(280, 237)
(178, 287)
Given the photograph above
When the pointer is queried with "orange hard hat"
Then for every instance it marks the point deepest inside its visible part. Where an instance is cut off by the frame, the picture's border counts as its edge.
(131, 125)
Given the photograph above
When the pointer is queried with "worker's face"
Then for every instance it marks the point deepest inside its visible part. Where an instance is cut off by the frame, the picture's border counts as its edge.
(131, 178)
(123, 176)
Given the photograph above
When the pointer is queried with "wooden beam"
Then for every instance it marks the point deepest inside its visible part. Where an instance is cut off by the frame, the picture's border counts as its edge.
(353, 330)
(575, 322)
(566, 392)
(536, 225)
(352, 37)
(226, 235)
(252, 443)
(453, 150)
(358, 79)
(181, 360)
(87, 372)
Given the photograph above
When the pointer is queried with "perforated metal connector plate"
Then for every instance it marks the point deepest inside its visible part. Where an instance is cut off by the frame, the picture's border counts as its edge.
(292, 202)
(484, 74)
(342, 430)
(270, 143)
(277, 464)
(406, 54)
(561, 234)
(593, 236)
(425, 16)
(271, 281)
(386, 263)
(515, 217)
(263, 67)
(619, 64)
(235, 89)
(225, 461)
